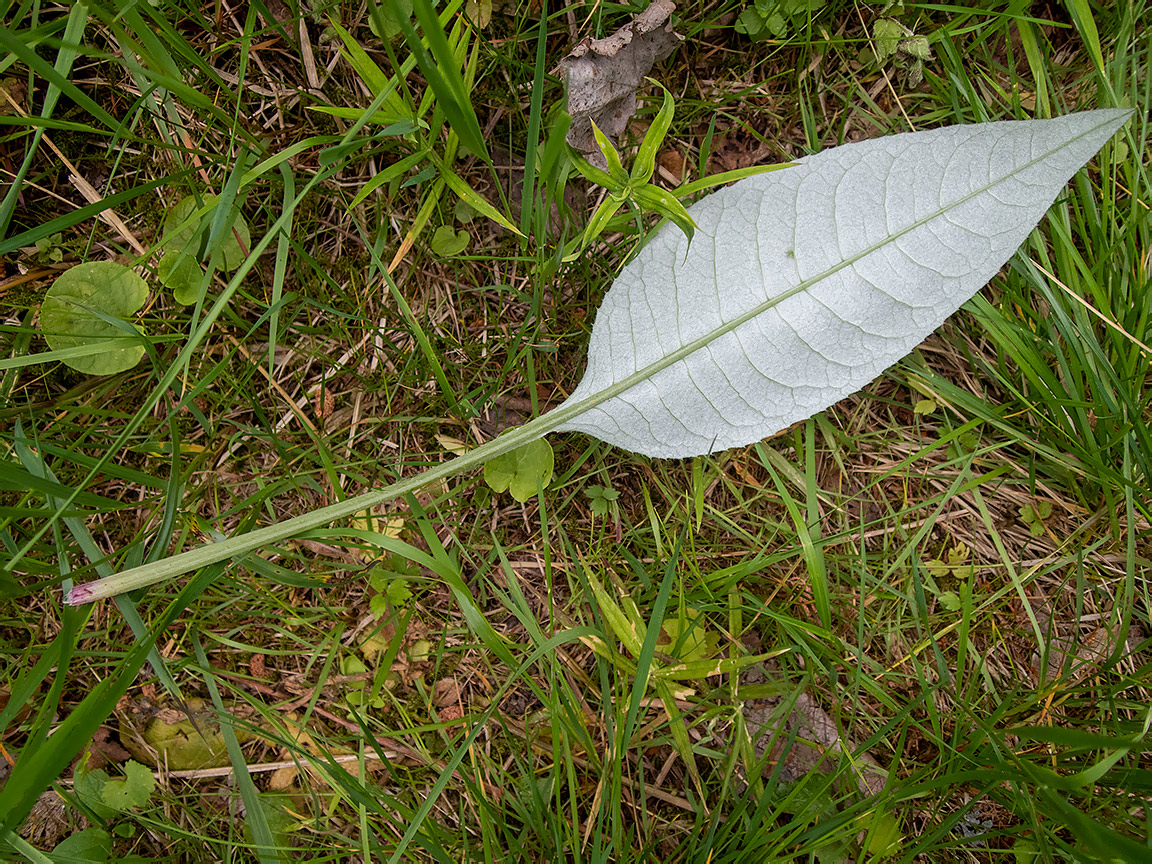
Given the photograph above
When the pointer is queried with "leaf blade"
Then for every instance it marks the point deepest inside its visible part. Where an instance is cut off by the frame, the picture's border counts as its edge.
(897, 234)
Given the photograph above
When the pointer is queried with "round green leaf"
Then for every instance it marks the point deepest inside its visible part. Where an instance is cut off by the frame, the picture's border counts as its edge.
(385, 24)
(92, 846)
(174, 232)
(519, 470)
(447, 242)
(463, 211)
(76, 310)
(133, 791)
(179, 236)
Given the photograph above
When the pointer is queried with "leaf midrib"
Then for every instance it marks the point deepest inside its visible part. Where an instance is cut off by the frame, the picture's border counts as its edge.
(569, 412)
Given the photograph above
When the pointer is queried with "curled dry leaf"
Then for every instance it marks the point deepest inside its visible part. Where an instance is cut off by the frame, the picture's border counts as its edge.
(445, 692)
(817, 745)
(601, 75)
(104, 750)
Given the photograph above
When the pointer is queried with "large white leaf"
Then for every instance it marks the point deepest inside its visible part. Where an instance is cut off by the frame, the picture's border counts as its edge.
(802, 285)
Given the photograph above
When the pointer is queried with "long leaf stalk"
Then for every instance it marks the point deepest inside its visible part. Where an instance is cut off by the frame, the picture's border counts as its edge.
(239, 546)
(243, 544)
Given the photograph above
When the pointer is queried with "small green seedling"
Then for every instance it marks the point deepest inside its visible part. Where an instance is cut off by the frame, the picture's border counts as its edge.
(925, 406)
(359, 694)
(954, 563)
(767, 19)
(107, 797)
(390, 581)
(603, 500)
(633, 187)
(908, 52)
(133, 791)
(521, 470)
(1025, 851)
(50, 250)
(1034, 516)
(89, 307)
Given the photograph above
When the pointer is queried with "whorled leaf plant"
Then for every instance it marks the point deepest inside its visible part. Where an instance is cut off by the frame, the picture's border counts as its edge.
(799, 287)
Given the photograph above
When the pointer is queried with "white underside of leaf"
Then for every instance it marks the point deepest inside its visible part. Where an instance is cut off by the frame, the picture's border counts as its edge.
(803, 285)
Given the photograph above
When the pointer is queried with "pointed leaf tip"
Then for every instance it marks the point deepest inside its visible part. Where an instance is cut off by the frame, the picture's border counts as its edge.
(803, 285)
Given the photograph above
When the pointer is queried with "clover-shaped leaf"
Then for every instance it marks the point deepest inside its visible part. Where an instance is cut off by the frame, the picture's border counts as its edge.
(953, 562)
(1034, 516)
(957, 559)
(520, 470)
(602, 499)
(50, 250)
(390, 582)
(89, 306)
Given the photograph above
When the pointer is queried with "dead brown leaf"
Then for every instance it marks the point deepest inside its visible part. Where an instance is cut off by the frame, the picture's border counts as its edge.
(672, 166)
(817, 741)
(445, 692)
(283, 778)
(601, 75)
(104, 751)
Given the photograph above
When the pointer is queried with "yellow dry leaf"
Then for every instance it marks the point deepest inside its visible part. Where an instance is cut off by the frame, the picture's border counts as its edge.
(283, 778)
(453, 445)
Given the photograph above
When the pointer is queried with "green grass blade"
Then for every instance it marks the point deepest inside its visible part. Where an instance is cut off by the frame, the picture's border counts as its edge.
(280, 271)
(73, 31)
(11, 42)
(535, 114)
(36, 770)
(198, 334)
(463, 749)
(811, 551)
(442, 72)
(81, 214)
(254, 815)
(474, 199)
(77, 527)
